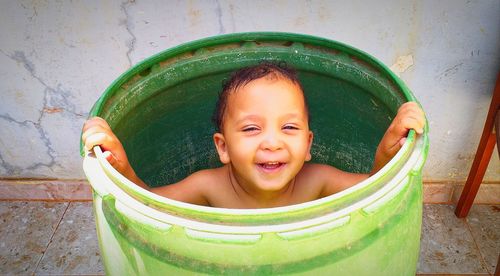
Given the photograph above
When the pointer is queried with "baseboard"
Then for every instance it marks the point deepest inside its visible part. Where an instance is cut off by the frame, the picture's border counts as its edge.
(437, 192)
(447, 192)
(46, 190)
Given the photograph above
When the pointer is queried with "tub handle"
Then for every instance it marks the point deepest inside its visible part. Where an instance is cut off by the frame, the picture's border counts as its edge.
(314, 230)
(129, 222)
(222, 237)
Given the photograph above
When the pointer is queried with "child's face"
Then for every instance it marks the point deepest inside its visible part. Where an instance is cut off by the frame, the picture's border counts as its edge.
(266, 135)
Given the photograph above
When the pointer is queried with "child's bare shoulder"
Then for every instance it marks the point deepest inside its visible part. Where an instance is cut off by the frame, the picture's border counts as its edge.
(207, 181)
(216, 187)
(326, 180)
(204, 177)
(197, 188)
(311, 180)
(319, 171)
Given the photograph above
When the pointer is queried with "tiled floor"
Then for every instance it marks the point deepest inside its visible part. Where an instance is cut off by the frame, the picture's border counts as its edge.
(59, 238)
(460, 246)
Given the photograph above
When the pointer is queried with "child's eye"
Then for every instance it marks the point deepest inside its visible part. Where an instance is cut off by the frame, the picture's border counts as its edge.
(290, 127)
(250, 128)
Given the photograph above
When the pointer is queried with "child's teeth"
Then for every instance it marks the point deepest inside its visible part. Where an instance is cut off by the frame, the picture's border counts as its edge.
(271, 164)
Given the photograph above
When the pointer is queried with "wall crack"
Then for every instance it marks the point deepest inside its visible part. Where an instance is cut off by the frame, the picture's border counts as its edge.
(128, 26)
(55, 100)
(218, 13)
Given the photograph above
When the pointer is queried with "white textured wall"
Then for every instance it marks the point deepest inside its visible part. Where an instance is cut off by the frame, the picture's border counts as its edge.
(56, 58)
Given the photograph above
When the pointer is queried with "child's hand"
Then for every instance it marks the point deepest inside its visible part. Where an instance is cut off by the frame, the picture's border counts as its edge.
(97, 132)
(410, 116)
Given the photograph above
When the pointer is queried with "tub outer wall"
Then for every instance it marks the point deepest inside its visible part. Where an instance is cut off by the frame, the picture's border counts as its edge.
(381, 236)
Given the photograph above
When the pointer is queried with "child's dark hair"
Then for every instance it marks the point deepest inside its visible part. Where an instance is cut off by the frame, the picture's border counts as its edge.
(245, 75)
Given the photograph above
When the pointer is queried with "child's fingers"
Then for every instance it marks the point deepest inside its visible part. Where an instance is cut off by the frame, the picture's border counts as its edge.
(94, 125)
(408, 123)
(391, 150)
(92, 130)
(402, 141)
(110, 157)
(97, 129)
(399, 129)
(414, 123)
(394, 148)
(411, 109)
(95, 140)
(411, 116)
(95, 121)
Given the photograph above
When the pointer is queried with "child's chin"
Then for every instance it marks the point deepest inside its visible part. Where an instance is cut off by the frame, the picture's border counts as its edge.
(272, 186)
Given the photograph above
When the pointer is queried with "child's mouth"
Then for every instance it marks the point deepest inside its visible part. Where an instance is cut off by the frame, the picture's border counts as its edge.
(271, 166)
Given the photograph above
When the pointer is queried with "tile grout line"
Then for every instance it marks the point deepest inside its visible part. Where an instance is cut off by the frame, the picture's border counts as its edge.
(51, 237)
(477, 246)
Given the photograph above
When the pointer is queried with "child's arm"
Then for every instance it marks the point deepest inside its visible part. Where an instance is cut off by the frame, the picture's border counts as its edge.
(409, 116)
(96, 131)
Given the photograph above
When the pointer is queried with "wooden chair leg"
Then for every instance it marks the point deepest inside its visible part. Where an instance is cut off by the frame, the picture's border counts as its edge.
(482, 158)
(497, 270)
(475, 177)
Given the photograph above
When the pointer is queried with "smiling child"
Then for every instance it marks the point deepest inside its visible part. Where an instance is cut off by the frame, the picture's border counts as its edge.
(263, 141)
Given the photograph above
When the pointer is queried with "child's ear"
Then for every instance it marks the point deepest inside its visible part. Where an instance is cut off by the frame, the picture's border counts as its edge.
(221, 146)
(310, 140)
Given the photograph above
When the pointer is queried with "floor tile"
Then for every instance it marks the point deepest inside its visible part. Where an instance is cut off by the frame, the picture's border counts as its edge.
(74, 248)
(447, 245)
(26, 228)
(484, 222)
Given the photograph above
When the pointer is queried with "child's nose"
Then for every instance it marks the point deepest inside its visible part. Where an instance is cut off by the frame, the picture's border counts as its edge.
(272, 142)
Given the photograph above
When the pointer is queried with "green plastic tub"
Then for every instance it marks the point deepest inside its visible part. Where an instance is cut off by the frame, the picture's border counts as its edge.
(160, 109)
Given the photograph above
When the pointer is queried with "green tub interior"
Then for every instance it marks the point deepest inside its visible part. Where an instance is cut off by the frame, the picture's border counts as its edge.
(162, 115)
(161, 108)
